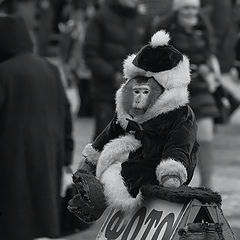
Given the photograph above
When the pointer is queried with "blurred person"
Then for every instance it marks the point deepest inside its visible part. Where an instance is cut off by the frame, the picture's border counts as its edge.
(226, 31)
(224, 17)
(73, 33)
(35, 137)
(115, 31)
(25, 9)
(191, 34)
(6, 6)
(45, 13)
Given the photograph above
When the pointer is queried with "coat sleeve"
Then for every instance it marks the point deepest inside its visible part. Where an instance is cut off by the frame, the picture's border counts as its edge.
(93, 150)
(177, 154)
(92, 51)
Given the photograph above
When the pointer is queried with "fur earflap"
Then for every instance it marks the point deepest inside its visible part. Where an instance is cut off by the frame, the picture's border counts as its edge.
(171, 167)
(160, 38)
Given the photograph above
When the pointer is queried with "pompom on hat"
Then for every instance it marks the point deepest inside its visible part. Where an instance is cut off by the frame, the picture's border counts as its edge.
(160, 60)
(178, 4)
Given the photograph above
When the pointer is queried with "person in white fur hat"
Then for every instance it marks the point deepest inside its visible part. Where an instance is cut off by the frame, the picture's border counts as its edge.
(188, 9)
(155, 144)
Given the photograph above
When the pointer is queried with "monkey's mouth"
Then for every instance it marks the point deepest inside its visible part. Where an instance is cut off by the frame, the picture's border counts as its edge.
(137, 111)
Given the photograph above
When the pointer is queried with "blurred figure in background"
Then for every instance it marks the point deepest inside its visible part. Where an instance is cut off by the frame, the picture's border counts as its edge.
(191, 34)
(6, 6)
(44, 14)
(26, 9)
(73, 32)
(35, 137)
(116, 30)
(224, 17)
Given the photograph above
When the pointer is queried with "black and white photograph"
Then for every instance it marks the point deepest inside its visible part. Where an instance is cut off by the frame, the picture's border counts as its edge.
(119, 119)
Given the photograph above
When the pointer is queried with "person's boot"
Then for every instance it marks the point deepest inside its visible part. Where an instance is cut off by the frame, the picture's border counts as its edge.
(89, 204)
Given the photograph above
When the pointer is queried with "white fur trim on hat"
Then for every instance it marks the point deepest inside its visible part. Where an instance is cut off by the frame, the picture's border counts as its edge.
(171, 167)
(130, 70)
(178, 4)
(178, 76)
(160, 38)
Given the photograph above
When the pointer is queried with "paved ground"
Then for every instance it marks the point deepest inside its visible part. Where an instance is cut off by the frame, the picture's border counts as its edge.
(225, 178)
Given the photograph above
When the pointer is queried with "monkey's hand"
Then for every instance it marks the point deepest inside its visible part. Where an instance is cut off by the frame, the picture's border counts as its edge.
(86, 165)
(89, 159)
(171, 181)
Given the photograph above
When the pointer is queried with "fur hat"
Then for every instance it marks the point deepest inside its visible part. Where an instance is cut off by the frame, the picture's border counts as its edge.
(178, 4)
(159, 60)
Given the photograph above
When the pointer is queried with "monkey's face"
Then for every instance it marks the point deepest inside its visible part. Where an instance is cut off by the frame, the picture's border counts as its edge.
(139, 94)
(140, 97)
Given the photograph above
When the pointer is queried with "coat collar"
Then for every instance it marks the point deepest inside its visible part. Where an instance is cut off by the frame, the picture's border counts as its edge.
(170, 100)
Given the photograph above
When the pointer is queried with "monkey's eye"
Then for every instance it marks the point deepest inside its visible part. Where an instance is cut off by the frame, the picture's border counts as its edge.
(136, 91)
(145, 92)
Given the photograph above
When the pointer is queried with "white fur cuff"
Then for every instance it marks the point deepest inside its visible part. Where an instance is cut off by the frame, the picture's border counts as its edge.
(171, 167)
(90, 154)
(116, 192)
(116, 150)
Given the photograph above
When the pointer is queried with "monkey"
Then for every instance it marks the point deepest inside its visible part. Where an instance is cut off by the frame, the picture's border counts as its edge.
(139, 94)
(151, 139)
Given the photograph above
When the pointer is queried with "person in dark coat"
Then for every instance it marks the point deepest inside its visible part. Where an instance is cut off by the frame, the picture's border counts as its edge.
(191, 33)
(35, 137)
(115, 31)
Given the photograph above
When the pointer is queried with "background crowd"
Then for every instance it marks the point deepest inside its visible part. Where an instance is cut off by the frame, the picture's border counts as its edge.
(79, 46)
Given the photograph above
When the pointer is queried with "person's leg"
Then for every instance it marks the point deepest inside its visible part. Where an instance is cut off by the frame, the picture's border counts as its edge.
(205, 139)
(103, 114)
(85, 109)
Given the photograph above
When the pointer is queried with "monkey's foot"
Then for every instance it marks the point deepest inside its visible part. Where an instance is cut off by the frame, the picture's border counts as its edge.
(89, 204)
